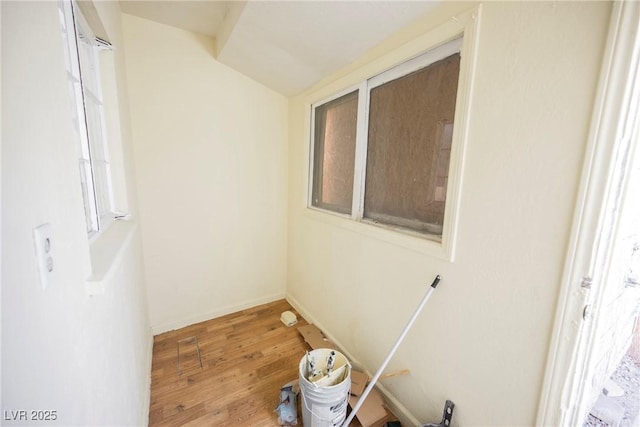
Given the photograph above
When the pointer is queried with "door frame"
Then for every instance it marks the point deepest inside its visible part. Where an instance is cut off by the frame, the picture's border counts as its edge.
(612, 140)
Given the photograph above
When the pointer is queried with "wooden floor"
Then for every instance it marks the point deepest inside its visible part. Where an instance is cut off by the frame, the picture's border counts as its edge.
(244, 360)
(246, 357)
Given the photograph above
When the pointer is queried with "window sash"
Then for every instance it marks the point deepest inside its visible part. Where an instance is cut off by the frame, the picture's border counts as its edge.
(331, 161)
(405, 144)
(84, 75)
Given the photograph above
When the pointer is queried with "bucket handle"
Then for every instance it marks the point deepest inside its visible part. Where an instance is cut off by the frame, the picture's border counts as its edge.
(304, 401)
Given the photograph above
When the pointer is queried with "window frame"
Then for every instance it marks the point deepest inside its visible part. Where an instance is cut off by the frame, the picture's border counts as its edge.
(363, 90)
(93, 149)
(464, 26)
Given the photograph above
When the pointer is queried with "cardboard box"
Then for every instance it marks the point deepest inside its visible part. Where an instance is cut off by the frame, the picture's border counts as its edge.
(359, 381)
(315, 338)
(372, 413)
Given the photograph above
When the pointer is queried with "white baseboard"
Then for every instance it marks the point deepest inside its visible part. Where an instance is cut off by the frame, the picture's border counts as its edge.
(399, 410)
(222, 311)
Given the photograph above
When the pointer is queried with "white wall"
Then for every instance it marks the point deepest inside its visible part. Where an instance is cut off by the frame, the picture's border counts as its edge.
(88, 358)
(483, 339)
(211, 162)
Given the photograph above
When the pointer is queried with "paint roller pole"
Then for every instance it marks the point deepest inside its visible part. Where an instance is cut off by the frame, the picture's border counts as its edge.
(393, 350)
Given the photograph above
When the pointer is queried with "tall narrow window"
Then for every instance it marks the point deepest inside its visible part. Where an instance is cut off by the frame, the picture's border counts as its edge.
(408, 126)
(334, 153)
(81, 50)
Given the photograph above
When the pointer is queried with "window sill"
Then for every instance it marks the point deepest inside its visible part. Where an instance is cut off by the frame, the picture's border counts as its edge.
(422, 243)
(106, 252)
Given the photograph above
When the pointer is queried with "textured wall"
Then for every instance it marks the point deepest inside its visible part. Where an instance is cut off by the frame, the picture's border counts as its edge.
(87, 358)
(483, 339)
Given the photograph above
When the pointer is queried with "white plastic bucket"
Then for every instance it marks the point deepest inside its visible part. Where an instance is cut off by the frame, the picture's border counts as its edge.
(324, 406)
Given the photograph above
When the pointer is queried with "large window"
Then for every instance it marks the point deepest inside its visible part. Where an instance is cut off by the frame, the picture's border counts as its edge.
(81, 52)
(381, 153)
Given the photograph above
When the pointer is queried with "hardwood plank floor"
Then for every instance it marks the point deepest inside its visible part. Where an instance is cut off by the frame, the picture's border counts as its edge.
(246, 358)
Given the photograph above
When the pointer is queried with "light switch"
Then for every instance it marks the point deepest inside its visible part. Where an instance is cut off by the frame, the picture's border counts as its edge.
(42, 237)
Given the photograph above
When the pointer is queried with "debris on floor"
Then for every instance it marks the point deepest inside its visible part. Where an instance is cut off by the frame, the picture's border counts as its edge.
(619, 406)
(372, 412)
(315, 338)
(359, 381)
(288, 318)
(287, 409)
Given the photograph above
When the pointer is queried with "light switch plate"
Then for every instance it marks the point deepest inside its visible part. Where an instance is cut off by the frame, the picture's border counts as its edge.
(42, 237)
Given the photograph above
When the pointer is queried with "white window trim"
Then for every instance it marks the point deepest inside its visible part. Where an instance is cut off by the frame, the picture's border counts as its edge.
(562, 399)
(427, 48)
(359, 177)
(414, 64)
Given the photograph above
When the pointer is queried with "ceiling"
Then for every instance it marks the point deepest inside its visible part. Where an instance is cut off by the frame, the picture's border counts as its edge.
(286, 45)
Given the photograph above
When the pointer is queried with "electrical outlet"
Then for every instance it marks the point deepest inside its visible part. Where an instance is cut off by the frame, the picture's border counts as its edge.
(42, 238)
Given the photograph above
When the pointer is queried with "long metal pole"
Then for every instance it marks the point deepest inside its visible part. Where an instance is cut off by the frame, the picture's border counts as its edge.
(393, 350)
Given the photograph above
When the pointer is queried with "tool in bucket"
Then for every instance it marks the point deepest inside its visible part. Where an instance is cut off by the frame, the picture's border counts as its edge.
(393, 350)
(325, 381)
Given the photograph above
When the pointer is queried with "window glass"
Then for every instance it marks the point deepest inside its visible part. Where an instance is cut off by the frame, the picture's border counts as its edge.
(409, 143)
(334, 153)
